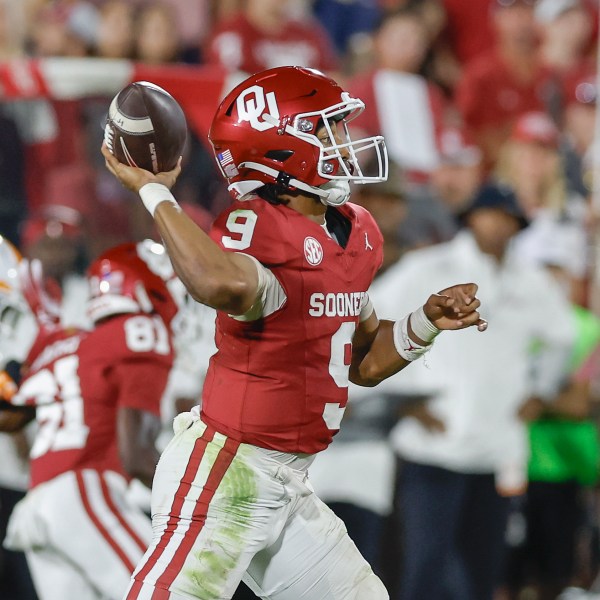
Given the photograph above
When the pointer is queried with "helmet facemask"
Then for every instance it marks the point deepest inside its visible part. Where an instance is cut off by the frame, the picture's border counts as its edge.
(341, 161)
(332, 164)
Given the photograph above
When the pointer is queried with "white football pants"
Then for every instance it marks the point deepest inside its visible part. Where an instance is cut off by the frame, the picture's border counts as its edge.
(82, 538)
(225, 511)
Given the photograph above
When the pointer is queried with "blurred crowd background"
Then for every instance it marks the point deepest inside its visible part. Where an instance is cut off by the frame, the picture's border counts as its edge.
(485, 105)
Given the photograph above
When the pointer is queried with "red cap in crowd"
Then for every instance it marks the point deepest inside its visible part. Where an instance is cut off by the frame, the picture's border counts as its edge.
(536, 127)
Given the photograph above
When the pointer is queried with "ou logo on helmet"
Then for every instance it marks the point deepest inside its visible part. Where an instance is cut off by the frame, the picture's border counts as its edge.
(313, 251)
(251, 104)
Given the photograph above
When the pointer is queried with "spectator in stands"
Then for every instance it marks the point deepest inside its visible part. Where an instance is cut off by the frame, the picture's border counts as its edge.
(530, 163)
(589, 376)
(346, 21)
(13, 27)
(565, 31)
(434, 208)
(579, 129)
(54, 148)
(465, 449)
(115, 35)
(458, 174)
(64, 29)
(157, 38)
(193, 23)
(440, 65)
(504, 83)
(565, 454)
(468, 29)
(56, 239)
(351, 25)
(402, 105)
(262, 36)
(565, 28)
(224, 9)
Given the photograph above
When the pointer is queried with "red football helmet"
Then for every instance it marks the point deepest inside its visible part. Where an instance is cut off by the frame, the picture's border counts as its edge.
(265, 132)
(131, 278)
(43, 295)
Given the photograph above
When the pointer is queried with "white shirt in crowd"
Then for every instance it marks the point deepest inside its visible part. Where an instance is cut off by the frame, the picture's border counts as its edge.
(477, 381)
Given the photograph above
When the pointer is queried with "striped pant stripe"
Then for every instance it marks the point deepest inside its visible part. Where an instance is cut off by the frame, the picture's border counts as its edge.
(126, 526)
(173, 523)
(102, 516)
(224, 459)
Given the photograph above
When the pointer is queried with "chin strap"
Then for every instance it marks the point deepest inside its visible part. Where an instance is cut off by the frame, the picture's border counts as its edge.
(338, 192)
(334, 193)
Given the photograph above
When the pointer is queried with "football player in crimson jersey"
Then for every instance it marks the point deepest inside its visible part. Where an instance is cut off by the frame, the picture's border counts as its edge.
(96, 398)
(287, 267)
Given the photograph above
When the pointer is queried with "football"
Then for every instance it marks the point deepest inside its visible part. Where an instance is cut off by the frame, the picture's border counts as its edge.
(145, 127)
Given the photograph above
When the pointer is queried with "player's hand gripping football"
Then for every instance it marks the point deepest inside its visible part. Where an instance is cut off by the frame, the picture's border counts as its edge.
(134, 178)
(455, 308)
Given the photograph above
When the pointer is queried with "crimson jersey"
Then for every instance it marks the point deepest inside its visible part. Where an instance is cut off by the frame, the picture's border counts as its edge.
(78, 380)
(281, 382)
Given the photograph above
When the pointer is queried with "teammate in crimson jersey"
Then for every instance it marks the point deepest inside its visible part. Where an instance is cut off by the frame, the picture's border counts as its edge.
(288, 268)
(96, 398)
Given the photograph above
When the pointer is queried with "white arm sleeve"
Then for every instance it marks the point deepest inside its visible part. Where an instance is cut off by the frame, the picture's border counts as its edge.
(270, 296)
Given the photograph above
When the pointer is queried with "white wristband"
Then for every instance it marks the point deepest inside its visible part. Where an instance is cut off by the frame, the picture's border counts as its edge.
(152, 194)
(407, 348)
(422, 327)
